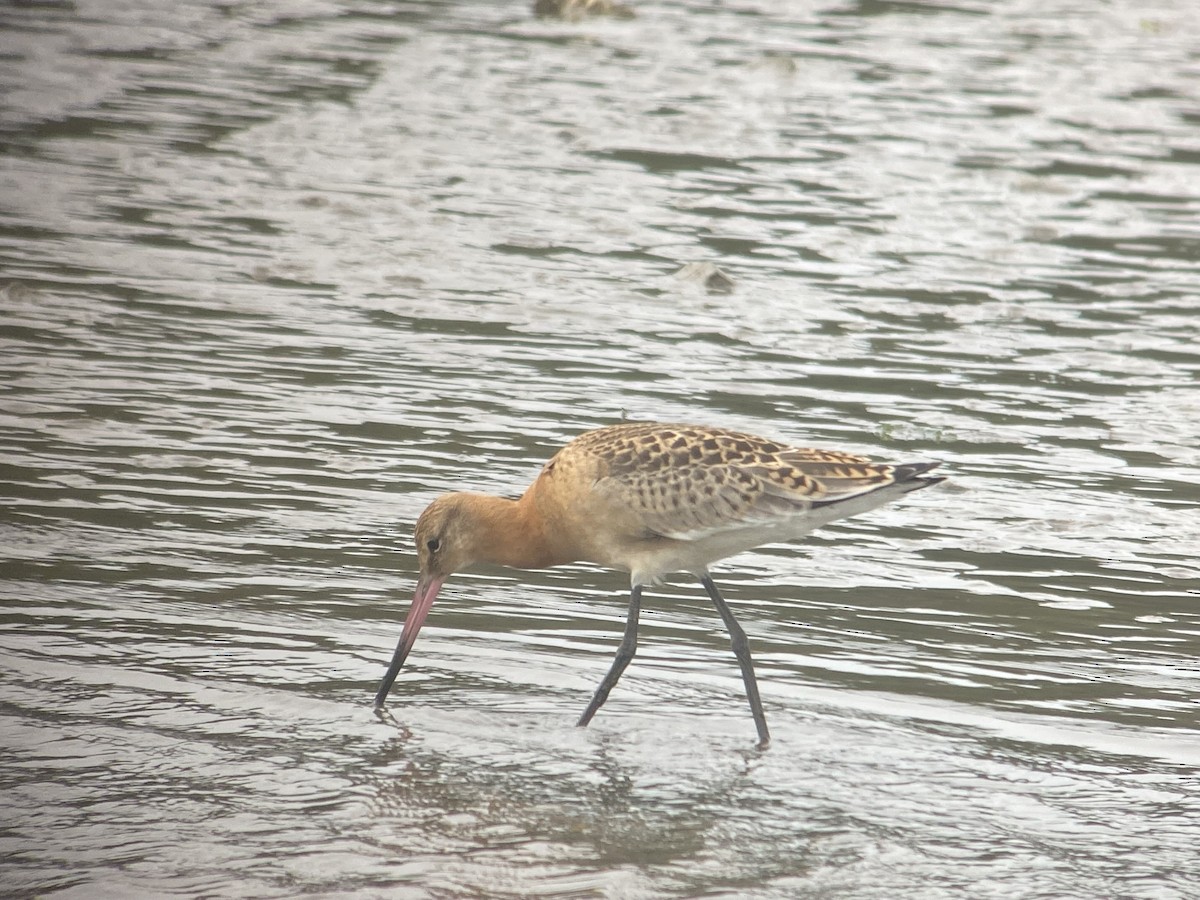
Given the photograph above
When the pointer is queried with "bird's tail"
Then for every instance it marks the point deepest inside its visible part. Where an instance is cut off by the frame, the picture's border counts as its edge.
(909, 475)
(904, 479)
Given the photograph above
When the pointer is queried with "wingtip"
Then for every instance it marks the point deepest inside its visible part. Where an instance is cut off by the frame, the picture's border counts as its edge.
(910, 475)
(911, 471)
(906, 477)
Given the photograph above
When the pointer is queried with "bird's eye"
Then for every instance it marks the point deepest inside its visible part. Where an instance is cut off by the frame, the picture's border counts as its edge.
(433, 544)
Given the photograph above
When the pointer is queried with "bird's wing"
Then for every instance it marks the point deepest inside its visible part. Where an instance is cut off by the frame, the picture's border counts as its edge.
(840, 475)
(689, 482)
(691, 502)
(687, 501)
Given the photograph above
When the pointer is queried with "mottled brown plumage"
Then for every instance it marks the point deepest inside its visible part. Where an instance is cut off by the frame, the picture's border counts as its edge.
(650, 499)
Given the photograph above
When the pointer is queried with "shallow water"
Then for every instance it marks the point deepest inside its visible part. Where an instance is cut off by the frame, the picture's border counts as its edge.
(273, 276)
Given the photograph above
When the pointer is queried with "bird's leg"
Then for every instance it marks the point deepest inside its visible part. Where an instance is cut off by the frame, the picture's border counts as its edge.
(624, 655)
(741, 649)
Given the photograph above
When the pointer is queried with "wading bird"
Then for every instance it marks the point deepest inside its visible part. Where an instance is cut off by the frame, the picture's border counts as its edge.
(650, 499)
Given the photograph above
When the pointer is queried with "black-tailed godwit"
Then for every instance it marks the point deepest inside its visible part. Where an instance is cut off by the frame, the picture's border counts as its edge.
(650, 499)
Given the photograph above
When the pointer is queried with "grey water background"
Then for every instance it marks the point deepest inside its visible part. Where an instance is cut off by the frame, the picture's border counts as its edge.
(273, 275)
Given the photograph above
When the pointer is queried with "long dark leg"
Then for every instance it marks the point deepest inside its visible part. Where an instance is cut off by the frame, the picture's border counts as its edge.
(624, 655)
(741, 649)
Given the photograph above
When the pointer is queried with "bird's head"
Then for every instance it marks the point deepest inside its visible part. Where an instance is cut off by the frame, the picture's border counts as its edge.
(446, 538)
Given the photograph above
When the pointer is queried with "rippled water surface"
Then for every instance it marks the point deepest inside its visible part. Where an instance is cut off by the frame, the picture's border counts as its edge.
(274, 275)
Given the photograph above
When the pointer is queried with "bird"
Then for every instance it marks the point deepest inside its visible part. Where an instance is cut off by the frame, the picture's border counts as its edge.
(650, 499)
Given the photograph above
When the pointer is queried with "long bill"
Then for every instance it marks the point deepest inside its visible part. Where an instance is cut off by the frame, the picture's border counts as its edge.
(427, 591)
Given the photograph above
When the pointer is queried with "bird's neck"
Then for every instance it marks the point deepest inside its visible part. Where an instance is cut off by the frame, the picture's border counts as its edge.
(512, 533)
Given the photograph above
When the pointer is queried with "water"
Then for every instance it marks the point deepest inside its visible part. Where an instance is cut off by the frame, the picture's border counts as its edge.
(276, 275)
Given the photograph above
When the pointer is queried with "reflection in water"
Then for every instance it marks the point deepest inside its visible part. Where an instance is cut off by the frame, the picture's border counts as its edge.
(273, 278)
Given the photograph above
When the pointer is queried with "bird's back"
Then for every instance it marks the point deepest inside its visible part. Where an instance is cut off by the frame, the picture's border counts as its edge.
(654, 498)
